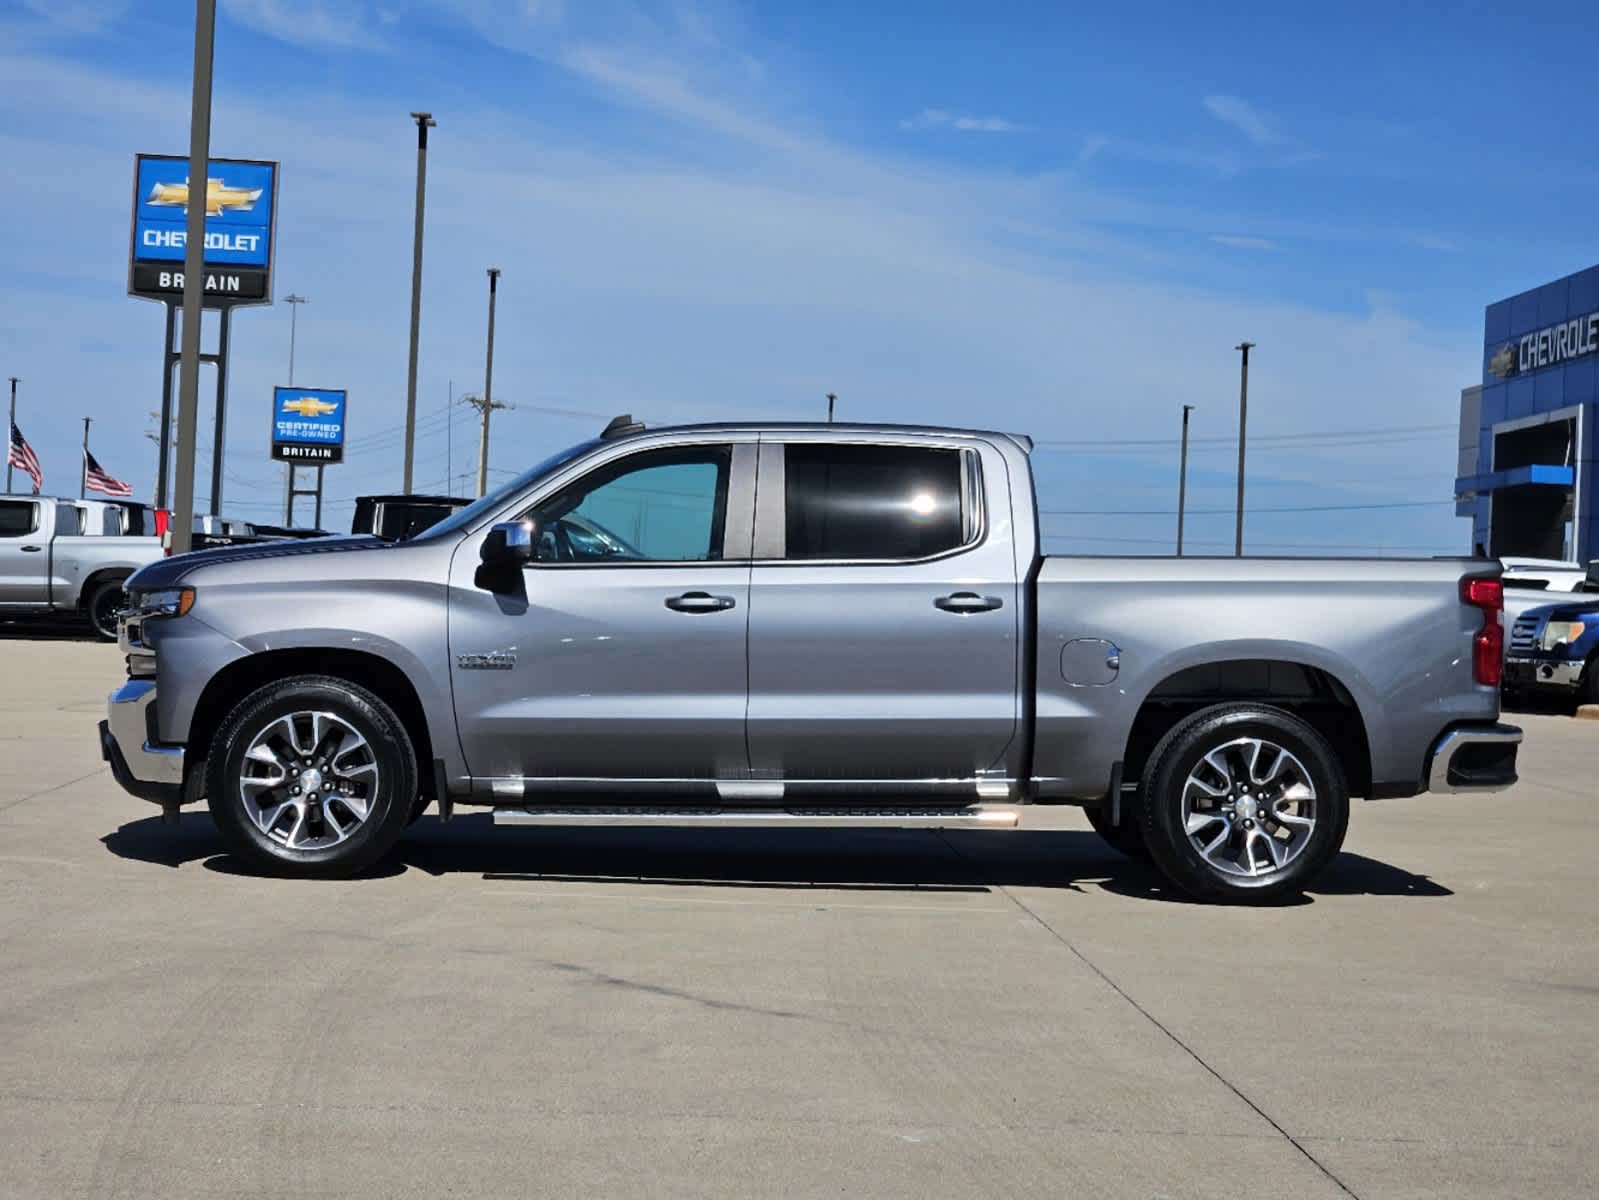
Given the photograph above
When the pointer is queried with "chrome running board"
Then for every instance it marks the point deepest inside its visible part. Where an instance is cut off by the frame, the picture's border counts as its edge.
(727, 817)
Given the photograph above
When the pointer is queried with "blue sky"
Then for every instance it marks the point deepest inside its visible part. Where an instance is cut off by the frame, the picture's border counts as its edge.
(1056, 218)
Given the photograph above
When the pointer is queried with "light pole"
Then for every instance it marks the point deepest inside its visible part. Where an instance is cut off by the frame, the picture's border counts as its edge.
(1182, 481)
(12, 424)
(424, 122)
(1243, 426)
(831, 397)
(293, 300)
(488, 390)
(182, 526)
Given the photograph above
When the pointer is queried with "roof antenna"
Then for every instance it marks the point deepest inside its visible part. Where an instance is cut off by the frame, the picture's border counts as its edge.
(621, 426)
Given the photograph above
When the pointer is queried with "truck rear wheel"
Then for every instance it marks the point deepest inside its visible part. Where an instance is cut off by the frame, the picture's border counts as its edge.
(1243, 803)
(313, 776)
(102, 607)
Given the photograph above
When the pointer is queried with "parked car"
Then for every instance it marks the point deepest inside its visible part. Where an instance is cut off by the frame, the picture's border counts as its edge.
(396, 518)
(67, 557)
(1553, 650)
(1534, 582)
(846, 625)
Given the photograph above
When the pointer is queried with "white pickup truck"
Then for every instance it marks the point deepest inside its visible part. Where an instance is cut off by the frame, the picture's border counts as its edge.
(70, 557)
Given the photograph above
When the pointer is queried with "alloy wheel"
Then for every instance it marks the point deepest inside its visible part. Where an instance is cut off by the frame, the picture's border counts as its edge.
(1249, 807)
(308, 780)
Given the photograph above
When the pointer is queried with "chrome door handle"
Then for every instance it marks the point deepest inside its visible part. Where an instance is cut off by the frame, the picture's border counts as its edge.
(698, 602)
(32, 549)
(967, 602)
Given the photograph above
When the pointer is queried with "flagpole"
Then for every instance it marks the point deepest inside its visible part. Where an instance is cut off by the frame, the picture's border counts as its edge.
(83, 467)
(9, 428)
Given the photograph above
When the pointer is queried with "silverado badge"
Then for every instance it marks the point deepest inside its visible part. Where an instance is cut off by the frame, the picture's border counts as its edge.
(494, 660)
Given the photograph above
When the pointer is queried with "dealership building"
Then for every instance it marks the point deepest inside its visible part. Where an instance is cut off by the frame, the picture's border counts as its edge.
(1527, 476)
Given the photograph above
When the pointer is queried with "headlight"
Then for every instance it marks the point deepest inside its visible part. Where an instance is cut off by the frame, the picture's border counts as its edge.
(168, 602)
(1557, 633)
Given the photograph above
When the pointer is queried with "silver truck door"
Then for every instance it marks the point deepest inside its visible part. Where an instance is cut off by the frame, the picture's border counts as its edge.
(622, 656)
(24, 553)
(883, 610)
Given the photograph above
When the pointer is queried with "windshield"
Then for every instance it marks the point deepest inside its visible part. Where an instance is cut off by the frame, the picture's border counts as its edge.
(463, 519)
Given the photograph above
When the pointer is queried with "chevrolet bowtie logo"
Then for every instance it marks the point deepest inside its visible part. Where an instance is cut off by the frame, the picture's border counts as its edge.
(219, 197)
(309, 406)
(1503, 363)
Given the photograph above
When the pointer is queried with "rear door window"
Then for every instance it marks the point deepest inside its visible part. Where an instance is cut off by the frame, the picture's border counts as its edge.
(18, 518)
(862, 502)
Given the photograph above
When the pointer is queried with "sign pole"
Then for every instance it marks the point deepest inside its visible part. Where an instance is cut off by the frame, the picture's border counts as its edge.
(318, 520)
(1182, 481)
(163, 451)
(221, 410)
(182, 527)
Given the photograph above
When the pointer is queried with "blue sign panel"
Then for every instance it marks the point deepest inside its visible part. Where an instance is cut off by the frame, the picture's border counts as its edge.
(308, 425)
(239, 198)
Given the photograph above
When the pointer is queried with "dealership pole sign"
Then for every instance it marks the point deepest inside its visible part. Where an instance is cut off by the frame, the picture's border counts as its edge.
(308, 426)
(240, 198)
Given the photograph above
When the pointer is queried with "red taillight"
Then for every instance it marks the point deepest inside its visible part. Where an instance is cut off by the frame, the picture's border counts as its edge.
(1488, 647)
(163, 517)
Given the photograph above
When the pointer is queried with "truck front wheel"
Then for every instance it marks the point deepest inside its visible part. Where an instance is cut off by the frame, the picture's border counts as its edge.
(1243, 802)
(312, 776)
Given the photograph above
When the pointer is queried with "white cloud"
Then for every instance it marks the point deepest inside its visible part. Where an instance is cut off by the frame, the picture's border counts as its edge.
(938, 118)
(76, 16)
(1245, 117)
(1240, 242)
(314, 24)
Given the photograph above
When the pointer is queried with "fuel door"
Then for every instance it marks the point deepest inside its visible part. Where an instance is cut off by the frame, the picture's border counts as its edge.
(1090, 662)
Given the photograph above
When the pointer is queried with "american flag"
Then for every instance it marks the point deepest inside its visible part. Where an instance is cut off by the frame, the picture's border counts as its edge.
(96, 480)
(22, 455)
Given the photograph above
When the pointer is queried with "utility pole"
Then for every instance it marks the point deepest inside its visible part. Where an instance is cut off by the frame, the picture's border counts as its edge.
(9, 427)
(1243, 426)
(488, 390)
(182, 527)
(1182, 481)
(831, 397)
(424, 122)
(483, 404)
(293, 300)
(83, 467)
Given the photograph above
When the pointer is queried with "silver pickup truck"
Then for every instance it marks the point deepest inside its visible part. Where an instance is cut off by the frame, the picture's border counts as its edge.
(69, 557)
(787, 625)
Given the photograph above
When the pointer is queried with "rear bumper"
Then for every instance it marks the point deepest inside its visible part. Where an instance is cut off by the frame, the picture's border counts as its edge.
(1474, 758)
(143, 767)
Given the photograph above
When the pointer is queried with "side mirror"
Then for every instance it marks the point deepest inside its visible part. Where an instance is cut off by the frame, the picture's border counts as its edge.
(509, 544)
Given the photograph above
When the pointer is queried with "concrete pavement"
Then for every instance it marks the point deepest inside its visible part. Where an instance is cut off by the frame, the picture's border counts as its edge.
(729, 1013)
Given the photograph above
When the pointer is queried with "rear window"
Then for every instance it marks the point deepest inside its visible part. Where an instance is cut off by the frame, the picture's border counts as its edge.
(18, 518)
(872, 502)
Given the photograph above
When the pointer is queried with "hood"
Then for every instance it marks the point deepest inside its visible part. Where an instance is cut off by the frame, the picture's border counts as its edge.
(168, 571)
(1570, 610)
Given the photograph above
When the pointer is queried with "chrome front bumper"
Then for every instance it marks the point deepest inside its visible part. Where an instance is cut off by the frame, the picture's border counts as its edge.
(141, 765)
(1474, 758)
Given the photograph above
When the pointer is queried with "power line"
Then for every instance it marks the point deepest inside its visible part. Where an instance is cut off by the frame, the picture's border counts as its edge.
(1368, 434)
(1297, 508)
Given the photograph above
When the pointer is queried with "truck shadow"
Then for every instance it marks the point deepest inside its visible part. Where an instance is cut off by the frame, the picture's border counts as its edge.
(811, 860)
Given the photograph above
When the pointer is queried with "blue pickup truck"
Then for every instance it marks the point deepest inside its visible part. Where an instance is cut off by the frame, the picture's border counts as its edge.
(1553, 650)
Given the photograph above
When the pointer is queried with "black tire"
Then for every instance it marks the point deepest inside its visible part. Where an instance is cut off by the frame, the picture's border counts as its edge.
(102, 606)
(389, 805)
(1167, 776)
(1127, 835)
(1589, 693)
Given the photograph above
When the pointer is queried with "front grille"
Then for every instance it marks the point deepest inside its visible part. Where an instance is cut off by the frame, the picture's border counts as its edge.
(1524, 633)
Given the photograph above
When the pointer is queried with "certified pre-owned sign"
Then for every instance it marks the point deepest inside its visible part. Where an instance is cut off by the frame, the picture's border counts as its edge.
(308, 425)
(240, 199)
